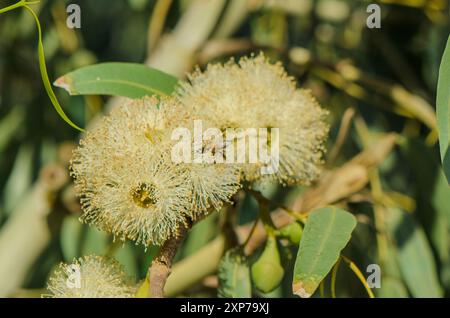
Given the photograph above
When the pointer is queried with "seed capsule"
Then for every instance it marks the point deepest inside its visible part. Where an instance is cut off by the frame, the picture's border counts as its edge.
(293, 232)
(267, 272)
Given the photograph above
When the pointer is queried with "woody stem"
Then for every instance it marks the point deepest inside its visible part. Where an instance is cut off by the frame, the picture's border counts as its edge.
(162, 264)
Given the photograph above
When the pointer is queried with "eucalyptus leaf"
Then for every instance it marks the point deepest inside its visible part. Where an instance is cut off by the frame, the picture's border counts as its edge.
(117, 79)
(443, 110)
(441, 196)
(125, 255)
(200, 234)
(44, 74)
(414, 255)
(71, 231)
(392, 288)
(20, 178)
(95, 242)
(326, 233)
(10, 124)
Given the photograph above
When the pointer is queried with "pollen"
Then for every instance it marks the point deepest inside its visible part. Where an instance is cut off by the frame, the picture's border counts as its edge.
(144, 195)
(154, 135)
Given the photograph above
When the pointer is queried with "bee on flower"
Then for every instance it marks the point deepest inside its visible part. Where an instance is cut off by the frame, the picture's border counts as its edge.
(254, 93)
(128, 183)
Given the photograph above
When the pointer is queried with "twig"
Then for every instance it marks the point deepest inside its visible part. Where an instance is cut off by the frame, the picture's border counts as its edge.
(377, 195)
(162, 263)
(333, 278)
(342, 135)
(251, 233)
(156, 23)
(235, 14)
(202, 263)
(205, 261)
(409, 104)
(358, 274)
(175, 52)
(322, 289)
(263, 200)
(219, 47)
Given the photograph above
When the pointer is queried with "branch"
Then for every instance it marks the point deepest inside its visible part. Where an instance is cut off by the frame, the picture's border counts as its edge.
(162, 263)
(205, 261)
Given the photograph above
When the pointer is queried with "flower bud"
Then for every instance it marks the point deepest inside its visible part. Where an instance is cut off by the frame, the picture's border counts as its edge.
(267, 272)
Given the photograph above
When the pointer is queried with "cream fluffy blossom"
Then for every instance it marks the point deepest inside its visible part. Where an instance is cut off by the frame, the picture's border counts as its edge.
(257, 94)
(206, 180)
(99, 277)
(129, 185)
(212, 183)
(124, 171)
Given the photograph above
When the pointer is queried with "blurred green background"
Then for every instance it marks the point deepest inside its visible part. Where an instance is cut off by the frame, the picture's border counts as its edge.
(373, 82)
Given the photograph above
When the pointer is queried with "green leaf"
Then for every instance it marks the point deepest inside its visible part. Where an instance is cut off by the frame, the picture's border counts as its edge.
(20, 178)
(414, 255)
(95, 242)
(326, 233)
(441, 196)
(44, 73)
(10, 125)
(443, 110)
(439, 236)
(234, 275)
(125, 255)
(392, 288)
(118, 79)
(200, 234)
(71, 232)
(143, 289)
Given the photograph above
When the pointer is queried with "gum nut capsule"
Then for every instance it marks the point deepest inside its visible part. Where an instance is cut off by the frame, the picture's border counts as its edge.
(293, 232)
(267, 272)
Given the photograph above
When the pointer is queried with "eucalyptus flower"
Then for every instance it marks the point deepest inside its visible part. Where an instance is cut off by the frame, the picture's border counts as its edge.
(212, 185)
(212, 180)
(125, 178)
(254, 93)
(128, 182)
(90, 277)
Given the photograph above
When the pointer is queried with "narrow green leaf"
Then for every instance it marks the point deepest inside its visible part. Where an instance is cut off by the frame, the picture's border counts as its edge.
(200, 234)
(125, 255)
(414, 255)
(441, 196)
(118, 79)
(326, 233)
(439, 236)
(95, 242)
(44, 74)
(71, 231)
(392, 288)
(10, 125)
(443, 110)
(20, 178)
(234, 275)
